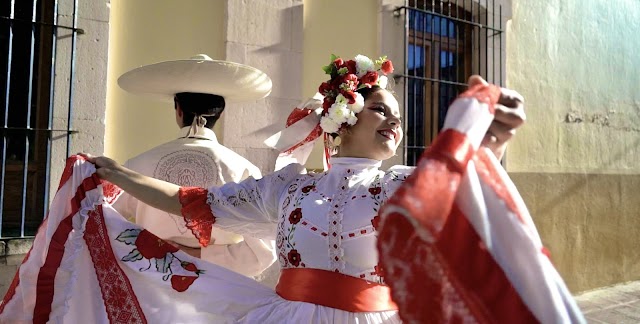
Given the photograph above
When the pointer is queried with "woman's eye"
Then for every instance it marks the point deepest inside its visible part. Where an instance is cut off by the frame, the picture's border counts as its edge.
(379, 109)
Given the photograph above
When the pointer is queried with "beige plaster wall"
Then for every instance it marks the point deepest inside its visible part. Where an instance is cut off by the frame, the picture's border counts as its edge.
(329, 29)
(89, 83)
(144, 32)
(576, 160)
(576, 63)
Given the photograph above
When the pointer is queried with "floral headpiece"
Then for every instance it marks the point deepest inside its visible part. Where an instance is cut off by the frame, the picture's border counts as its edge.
(341, 101)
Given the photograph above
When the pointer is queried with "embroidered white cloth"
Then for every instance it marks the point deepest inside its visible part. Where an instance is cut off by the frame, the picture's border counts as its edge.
(457, 243)
(198, 160)
(89, 265)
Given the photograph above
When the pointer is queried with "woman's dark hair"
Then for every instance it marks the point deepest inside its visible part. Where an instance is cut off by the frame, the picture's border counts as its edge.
(199, 104)
(366, 92)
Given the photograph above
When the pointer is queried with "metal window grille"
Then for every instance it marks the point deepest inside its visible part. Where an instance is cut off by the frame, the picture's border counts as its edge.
(445, 43)
(28, 43)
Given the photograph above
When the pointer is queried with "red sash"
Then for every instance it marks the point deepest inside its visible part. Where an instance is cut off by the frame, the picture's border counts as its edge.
(335, 290)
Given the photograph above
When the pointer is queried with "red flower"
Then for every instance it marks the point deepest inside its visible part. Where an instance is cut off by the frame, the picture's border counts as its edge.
(324, 88)
(375, 222)
(351, 65)
(181, 283)
(370, 79)
(308, 188)
(189, 266)
(375, 191)
(387, 67)
(350, 81)
(295, 216)
(294, 257)
(350, 96)
(151, 246)
(338, 63)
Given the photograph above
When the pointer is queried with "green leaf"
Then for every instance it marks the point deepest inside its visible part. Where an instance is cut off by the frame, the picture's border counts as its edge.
(333, 57)
(129, 236)
(162, 265)
(343, 71)
(327, 69)
(134, 255)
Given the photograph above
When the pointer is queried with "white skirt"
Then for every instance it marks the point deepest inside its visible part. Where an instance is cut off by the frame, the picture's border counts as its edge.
(89, 265)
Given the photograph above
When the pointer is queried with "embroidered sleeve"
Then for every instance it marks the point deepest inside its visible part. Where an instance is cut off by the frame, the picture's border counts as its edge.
(196, 212)
(251, 207)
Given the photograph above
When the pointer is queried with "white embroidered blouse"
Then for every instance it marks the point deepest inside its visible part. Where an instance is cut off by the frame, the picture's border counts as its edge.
(320, 220)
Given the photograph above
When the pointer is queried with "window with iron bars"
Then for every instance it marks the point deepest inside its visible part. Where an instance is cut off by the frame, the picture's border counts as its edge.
(28, 38)
(445, 43)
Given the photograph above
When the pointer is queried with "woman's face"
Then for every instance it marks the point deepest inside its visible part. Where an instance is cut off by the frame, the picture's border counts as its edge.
(378, 132)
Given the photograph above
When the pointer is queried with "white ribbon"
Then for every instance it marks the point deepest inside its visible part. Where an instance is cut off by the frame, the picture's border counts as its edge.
(197, 126)
(297, 133)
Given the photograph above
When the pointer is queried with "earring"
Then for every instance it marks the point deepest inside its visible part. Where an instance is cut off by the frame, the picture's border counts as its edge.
(337, 141)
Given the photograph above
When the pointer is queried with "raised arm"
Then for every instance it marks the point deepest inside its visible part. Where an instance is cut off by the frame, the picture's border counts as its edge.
(249, 207)
(153, 192)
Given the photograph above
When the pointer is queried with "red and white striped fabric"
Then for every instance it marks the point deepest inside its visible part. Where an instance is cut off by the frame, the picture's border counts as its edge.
(457, 243)
(89, 265)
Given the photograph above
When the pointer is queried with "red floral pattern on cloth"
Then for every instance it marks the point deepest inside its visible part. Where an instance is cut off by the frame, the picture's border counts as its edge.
(197, 213)
(422, 220)
(160, 256)
(110, 191)
(120, 300)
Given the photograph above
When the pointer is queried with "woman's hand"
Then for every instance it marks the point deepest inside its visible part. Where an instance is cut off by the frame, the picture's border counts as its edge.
(105, 167)
(156, 193)
(509, 115)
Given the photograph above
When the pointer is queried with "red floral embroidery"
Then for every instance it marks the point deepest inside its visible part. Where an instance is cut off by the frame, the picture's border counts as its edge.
(284, 262)
(295, 216)
(189, 266)
(110, 191)
(375, 222)
(375, 191)
(152, 249)
(294, 258)
(151, 246)
(308, 188)
(181, 283)
(197, 213)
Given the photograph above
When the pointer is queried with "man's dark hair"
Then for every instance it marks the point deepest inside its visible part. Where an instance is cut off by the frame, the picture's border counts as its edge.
(199, 104)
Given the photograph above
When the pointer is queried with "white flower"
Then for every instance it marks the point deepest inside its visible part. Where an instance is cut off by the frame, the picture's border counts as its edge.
(358, 105)
(328, 125)
(339, 112)
(352, 119)
(383, 81)
(340, 99)
(363, 65)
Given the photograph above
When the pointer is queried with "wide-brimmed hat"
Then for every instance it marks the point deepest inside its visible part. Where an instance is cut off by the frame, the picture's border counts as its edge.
(199, 74)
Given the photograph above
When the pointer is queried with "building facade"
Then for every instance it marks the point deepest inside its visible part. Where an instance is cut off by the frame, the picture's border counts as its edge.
(574, 162)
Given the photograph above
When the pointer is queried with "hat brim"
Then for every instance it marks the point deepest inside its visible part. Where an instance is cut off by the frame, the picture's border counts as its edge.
(235, 82)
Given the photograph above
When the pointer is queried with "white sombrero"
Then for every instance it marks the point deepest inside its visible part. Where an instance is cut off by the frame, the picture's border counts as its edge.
(199, 74)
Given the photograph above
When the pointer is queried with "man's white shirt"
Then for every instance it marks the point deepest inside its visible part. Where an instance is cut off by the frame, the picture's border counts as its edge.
(203, 162)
